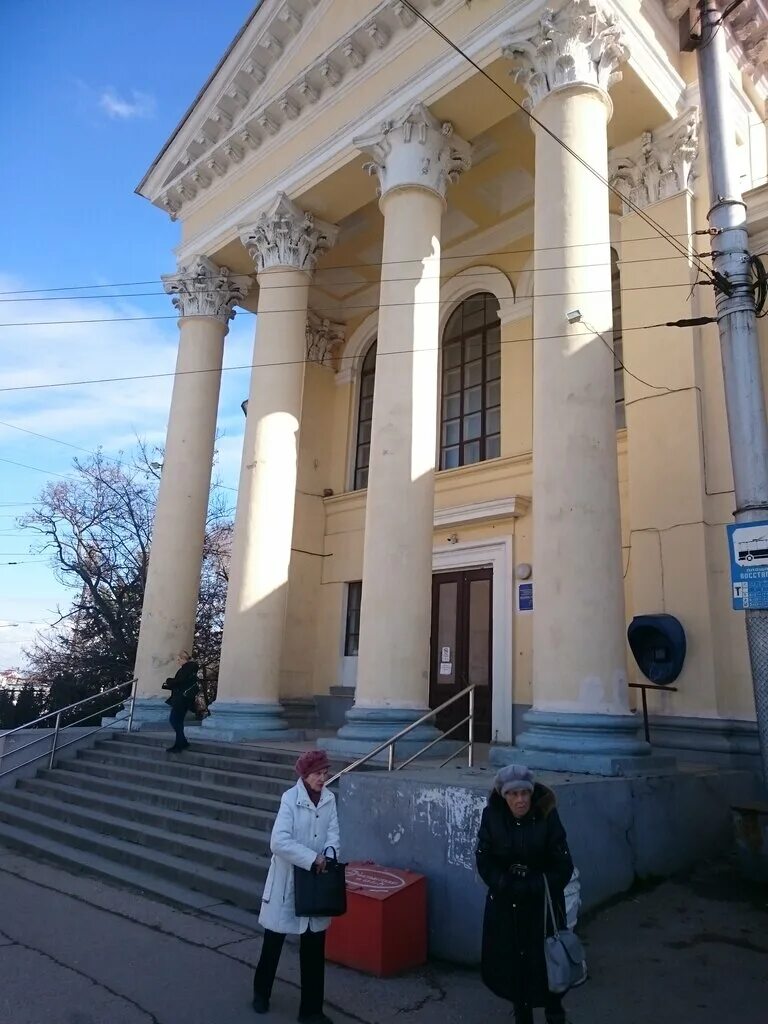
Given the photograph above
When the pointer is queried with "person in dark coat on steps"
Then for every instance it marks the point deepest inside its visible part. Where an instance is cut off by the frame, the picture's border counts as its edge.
(521, 839)
(183, 688)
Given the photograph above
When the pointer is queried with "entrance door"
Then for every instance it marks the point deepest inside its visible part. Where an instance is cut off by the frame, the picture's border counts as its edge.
(461, 644)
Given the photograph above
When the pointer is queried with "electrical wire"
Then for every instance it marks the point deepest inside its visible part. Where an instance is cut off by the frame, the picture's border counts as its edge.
(713, 279)
(374, 264)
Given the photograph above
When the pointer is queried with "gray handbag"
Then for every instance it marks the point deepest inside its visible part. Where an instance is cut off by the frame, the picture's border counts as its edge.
(563, 952)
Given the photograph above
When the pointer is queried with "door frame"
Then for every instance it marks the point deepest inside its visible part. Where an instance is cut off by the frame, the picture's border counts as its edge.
(498, 555)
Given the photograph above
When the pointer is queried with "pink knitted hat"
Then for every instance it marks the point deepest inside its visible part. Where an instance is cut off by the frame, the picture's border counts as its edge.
(312, 761)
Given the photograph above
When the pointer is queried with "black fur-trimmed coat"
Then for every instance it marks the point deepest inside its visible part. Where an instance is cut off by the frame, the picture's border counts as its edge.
(513, 964)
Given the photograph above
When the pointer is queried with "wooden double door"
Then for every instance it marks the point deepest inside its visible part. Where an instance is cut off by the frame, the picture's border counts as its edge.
(461, 647)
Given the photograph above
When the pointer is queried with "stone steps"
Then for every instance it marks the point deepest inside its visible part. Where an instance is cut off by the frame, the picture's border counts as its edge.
(191, 828)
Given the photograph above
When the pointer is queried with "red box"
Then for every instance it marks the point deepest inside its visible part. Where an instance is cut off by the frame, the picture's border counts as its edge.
(384, 931)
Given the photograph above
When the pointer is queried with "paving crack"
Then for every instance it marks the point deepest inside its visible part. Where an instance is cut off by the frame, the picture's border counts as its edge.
(87, 977)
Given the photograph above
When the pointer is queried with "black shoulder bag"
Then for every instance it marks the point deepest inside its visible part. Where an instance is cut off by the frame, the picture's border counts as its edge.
(321, 893)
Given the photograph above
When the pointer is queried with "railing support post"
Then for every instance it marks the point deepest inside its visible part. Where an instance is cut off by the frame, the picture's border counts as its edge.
(133, 703)
(471, 727)
(391, 757)
(55, 740)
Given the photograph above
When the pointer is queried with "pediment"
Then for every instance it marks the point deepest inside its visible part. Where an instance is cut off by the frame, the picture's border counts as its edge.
(289, 57)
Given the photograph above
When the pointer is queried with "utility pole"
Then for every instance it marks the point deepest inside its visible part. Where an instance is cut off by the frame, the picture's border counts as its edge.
(745, 401)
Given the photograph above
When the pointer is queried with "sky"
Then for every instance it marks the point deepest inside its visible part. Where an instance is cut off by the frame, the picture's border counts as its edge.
(92, 92)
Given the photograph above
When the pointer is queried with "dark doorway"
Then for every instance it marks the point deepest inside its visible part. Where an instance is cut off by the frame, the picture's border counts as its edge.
(461, 647)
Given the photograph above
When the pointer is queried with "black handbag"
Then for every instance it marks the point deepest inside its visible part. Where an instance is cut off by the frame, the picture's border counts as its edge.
(321, 893)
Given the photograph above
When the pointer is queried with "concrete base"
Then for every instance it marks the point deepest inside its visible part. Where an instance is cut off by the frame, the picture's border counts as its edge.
(588, 744)
(366, 728)
(233, 722)
(619, 830)
(149, 713)
(728, 742)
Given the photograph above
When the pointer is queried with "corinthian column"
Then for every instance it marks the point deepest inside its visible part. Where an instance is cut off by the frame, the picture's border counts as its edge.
(414, 159)
(204, 295)
(580, 718)
(284, 243)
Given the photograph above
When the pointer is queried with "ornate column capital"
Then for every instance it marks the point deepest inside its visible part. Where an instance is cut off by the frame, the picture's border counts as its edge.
(662, 162)
(323, 338)
(201, 288)
(415, 151)
(287, 236)
(580, 44)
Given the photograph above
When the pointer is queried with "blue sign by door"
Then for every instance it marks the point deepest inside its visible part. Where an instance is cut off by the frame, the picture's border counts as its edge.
(525, 597)
(748, 547)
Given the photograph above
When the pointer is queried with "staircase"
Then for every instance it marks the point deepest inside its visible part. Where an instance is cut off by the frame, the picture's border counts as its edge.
(163, 823)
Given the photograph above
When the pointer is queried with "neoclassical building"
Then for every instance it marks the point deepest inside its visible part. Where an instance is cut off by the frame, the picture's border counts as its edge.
(469, 455)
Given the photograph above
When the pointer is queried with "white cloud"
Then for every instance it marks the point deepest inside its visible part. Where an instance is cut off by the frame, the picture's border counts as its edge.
(140, 104)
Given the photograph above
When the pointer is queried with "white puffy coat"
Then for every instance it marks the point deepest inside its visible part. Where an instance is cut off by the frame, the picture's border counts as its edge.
(300, 832)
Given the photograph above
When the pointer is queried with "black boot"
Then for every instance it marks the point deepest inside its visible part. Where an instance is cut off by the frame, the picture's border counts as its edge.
(523, 1014)
(260, 1003)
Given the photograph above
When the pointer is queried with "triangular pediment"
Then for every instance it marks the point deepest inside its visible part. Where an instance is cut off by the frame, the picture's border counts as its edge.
(289, 56)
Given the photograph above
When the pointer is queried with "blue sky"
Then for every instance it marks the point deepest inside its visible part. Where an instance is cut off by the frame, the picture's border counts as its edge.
(97, 90)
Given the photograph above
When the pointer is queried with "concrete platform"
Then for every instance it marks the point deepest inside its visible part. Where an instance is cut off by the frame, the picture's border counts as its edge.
(620, 830)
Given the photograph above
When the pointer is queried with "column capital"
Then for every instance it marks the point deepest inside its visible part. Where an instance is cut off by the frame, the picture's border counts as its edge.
(415, 151)
(580, 44)
(323, 338)
(201, 288)
(287, 236)
(660, 164)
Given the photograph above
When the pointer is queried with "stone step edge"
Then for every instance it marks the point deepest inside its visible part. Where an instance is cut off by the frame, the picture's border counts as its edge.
(115, 747)
(91, 755)
(50, 802)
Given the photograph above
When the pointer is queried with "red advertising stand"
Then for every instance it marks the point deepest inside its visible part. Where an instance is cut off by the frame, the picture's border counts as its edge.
(384, 931)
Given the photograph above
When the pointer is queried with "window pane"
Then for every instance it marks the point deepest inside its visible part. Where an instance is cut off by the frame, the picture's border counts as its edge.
(473, 399)
(491, 308)
(493, 447)
(451, 432)
(453, 328)
(352, 631)
(479, 632)
(447, 606)
(474, 304)
(363, 455)
(473, 347)
(450, 458)
(493, 366)
(473, 426)
(364, 434)
(493, 421)
(493, 339)
(473, 373)
(361, 479)
(366, 387)
(493, 393)
(366, 408)
(452, 355)
(452, 382)
(471, 453)
(451, 407)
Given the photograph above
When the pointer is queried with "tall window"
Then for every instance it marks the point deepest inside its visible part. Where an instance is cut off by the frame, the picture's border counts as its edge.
(364, 419)
(618, 370)
(352, 630)
(471, 409)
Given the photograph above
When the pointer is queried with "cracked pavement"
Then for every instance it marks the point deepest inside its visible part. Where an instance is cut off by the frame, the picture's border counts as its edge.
(76, 950)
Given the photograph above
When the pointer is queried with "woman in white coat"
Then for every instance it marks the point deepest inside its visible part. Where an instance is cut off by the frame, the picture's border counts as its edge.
(306, 825)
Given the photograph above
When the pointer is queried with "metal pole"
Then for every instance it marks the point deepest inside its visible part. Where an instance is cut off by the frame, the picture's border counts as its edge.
(471, 751)
(745, 401)
(391, 757)
(55, 740)
(133, 703)
(645, 716)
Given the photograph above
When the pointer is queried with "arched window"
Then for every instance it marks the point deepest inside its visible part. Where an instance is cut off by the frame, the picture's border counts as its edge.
(618, 370)
(364, 419)
(471, 395)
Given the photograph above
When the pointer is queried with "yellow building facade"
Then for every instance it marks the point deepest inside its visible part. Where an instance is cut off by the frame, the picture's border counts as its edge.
(470, 454)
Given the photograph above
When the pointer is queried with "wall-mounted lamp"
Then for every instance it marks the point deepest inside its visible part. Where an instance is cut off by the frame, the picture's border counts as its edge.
(524, 571)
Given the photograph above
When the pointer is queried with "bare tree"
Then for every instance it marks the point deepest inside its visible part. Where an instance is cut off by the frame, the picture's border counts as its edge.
(97, 528)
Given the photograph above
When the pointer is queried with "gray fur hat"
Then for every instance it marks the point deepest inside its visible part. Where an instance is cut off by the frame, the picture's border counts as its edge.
(514, 776)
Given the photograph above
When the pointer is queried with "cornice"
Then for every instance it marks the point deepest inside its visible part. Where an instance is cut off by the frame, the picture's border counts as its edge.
(244, 113)
(427, 84)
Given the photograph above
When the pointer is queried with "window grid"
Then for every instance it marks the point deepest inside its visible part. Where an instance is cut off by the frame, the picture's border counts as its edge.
(365, 419)
(471, 384)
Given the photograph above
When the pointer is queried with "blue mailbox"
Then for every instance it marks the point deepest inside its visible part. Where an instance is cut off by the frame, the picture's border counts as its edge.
(658, 645)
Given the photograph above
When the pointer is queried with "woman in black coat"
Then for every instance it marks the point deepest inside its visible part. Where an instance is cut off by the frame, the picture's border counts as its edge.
(183, 688)
(521, 839)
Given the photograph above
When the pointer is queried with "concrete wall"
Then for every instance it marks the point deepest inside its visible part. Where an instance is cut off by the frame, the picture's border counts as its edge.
(16, 749)
(619, 830)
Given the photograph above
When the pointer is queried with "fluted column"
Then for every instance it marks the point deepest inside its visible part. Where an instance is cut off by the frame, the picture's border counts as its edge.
(414, 159)
(580, 718)
(204, 295)
(284, 243)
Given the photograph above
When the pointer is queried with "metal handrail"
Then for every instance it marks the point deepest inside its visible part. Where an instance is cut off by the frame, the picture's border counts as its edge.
(55, 745)
(389, 745)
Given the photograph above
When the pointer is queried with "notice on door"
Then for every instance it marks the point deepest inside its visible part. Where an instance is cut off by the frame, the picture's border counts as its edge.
(445, 654)
(446, 668)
